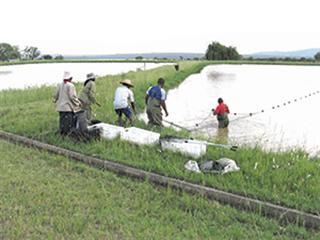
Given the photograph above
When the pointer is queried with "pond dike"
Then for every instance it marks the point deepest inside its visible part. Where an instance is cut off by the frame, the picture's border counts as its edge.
(283, 214)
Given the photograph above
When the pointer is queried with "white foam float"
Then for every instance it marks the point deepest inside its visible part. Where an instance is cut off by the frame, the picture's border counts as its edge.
(108, 131)
(140, 136)
(193, 148)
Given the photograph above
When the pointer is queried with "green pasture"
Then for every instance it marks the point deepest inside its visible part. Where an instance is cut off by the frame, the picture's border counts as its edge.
(44, 196)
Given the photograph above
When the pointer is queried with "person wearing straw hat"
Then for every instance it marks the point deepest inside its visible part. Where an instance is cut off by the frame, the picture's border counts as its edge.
(123, 98)
(155, 100)
(67, 104)
(88, 96)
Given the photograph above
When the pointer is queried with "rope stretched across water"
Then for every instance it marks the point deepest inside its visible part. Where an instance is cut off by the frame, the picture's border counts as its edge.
(199, 125)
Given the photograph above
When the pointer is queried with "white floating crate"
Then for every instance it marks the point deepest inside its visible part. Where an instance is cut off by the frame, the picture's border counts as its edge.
(193, 148)
(108, 131)
(140, 136)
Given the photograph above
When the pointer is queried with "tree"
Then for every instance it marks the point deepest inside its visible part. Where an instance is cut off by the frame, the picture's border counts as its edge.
(317, 56)
(139, 57)
(8, 52)
(59, 57)
(217, 51)
(47, 57)
(31, 52)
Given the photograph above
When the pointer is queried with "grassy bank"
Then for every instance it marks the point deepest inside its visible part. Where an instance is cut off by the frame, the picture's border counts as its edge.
(288, 178)
(50, 197)
(84, 61)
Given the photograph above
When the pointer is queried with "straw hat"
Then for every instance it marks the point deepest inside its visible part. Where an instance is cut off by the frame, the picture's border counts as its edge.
(67, 76)
(91, 76)
(127, 82)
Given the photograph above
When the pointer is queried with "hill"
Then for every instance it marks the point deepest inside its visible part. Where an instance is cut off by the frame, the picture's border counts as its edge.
(305, 53)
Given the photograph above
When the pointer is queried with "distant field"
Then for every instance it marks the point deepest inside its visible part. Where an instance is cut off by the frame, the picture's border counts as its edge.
(43, 196)
(289, 178)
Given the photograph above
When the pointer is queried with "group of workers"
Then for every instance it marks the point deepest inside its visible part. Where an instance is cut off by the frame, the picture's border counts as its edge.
(155, 100)
(75, 113)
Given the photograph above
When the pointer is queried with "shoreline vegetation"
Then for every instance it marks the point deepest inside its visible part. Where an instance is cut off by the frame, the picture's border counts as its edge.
(287, 178)
(45, 196)
(236, 62)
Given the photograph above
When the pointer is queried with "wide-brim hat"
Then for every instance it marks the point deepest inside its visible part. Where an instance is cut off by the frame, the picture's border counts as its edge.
(67, 76)
(127, 82)
(91, 76)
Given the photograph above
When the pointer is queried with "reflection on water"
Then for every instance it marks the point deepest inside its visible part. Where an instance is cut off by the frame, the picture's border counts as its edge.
(22, 76)
(248, 89)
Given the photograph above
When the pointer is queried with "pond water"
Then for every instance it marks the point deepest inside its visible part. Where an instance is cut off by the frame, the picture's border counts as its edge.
(29, 75)
(283, 99)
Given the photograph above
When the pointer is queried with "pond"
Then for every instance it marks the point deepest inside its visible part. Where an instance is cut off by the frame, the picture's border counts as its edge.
(273, 106)
(30, 75)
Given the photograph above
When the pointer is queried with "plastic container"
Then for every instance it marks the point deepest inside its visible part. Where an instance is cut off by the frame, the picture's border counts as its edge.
(108, 131)
(193, 148)
(140, 136)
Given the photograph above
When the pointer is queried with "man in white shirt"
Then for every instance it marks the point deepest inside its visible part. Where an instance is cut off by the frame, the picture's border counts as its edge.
(122, 97)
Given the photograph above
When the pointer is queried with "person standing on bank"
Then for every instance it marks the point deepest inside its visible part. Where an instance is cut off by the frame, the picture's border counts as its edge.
(88, 96)
(67, 104)
(122, 98)
(222, 111)
(155, 100)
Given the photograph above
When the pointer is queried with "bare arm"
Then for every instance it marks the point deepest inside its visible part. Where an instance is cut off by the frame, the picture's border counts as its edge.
(164, 107)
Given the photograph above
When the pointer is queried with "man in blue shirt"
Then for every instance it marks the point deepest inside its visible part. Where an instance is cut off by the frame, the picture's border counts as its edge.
(155, 100)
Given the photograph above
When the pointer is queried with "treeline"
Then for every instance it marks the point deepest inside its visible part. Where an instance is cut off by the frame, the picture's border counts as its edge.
(217, 51)
(10, 52)
(284, 59)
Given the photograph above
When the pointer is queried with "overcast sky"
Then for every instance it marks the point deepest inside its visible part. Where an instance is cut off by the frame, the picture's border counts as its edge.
(141, 26)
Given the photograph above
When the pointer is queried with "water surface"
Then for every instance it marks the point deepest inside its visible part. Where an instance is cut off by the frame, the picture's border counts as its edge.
(30, 75)
(293, 123)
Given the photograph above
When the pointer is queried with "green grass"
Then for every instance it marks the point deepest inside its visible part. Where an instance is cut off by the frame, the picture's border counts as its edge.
(288, 178)
(44, 196)
(20, 62)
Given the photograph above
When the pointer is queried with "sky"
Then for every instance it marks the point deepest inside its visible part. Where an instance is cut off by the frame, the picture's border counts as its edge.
(142, 26)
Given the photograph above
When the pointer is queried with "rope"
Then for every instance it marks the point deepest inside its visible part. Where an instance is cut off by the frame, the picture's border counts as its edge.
(198, 126)
(274, 107)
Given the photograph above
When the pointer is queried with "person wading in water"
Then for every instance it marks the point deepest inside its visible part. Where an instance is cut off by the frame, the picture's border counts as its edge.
(222, 111)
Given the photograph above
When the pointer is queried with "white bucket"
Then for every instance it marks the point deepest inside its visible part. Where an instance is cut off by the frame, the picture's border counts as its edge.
(188, 147)
(108, 131)
(140, 136)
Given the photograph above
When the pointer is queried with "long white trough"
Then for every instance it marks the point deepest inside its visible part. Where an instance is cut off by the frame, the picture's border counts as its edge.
(140, 136)
(193, 148)
(108, 131)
